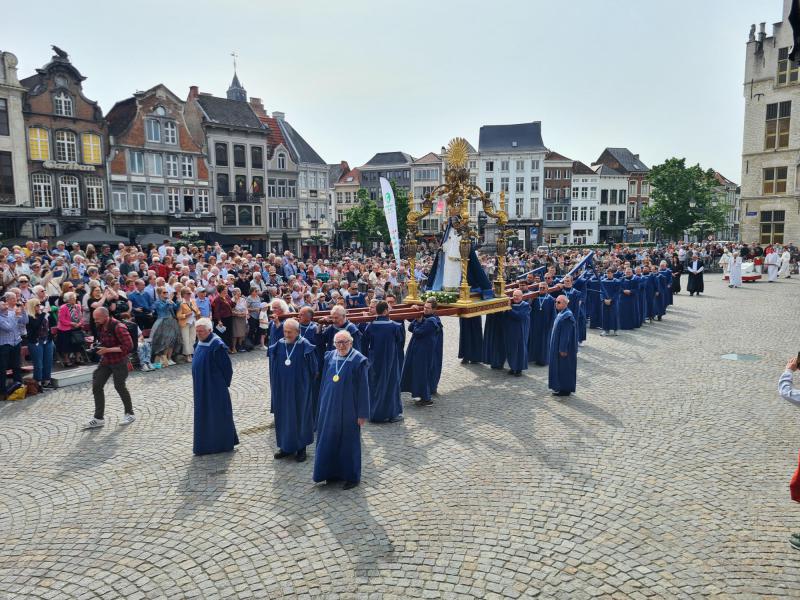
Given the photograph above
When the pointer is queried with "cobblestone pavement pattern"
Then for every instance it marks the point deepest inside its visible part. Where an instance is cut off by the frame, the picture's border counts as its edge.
(665, 476)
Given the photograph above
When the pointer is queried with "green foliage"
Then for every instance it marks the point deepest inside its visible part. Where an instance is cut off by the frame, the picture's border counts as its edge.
(367, 221)
(674, 188)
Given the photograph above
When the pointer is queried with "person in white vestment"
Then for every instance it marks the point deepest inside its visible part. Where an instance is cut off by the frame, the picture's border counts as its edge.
(771, 262)
(786, 259)
(736, 271)
(725, 263)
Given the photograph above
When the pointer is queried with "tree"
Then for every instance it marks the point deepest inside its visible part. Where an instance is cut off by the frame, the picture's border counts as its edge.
(682, 199)
(401, 202)
(368, 222)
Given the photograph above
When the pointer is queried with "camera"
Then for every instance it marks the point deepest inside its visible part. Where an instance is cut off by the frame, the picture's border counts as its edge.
(91, 353)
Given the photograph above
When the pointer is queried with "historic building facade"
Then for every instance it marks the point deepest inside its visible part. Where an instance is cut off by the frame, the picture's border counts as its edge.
(67, 146)
(637, 192)
(557, 194)
(427, 172)
(16, 209)
(158, 172)
(585, 205)
(770, 192)
(390, 165)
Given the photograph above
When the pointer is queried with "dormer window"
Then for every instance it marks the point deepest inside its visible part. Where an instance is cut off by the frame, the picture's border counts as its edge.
(153, 129)
(61, 81)
(170, 133)
(63, 104)
(160, 111)
(281, 161)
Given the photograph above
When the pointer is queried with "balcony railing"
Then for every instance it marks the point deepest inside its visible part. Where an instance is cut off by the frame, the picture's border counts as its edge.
(239, 197)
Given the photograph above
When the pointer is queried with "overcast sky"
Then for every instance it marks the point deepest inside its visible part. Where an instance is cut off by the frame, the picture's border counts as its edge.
(356, 77)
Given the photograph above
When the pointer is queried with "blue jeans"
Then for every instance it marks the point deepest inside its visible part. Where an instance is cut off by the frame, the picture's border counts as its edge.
(41, 355)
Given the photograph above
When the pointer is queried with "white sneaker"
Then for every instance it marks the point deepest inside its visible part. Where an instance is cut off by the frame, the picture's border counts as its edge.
(94, 423)
(127, 419)
(146, 368)
(261, 347)
(603, 334)
(171, 362)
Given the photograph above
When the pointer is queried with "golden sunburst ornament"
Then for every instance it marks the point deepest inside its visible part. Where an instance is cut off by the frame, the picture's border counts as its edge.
(458, 152)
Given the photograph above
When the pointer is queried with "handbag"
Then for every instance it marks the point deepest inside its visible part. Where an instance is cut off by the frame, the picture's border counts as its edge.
(77, 337)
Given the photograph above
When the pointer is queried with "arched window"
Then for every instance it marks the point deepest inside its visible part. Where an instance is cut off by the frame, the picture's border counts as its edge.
(281, 161)
(222, 184)
(69, 192)
(42, 190)
(39, 143)
(63, 104)
(239, 156)
(66, 147)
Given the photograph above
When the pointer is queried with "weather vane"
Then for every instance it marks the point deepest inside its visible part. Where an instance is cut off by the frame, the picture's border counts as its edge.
(235, 55)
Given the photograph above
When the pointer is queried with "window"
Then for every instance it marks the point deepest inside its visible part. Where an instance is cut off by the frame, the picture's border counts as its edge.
(548, 193)
(241, 186)
(152, 129)
(188, 200)
(612, 217)
(39, 143)
(94, 193)
(172, 165)
(621, 217)
(339, 197)
(534, 164)
(202, 201)
(489, 185)
(92, 153)
(613, 199)
(174, 199)
(520, 185)
(257, 186)
(257, 221)
(157, 200)
(473, 180)
(593, 193)
(473, 164)
(775, 180)
(281, 188)
(256, 157)
(519, 207)
(488, 166)
(787, 70)
(520, 165)
(603, 196)
(239, 159)
(348, 197)
(138, 200)
(272, 189)
(229, 215)
(42, 190)
(574, 213)
(63, 104)
(137, 163)
(504, 184)
(282, 162)
(592, 213)
(426, 175)
(556, 213)
(3, 116)
(156, 166)
(69, 192)
(66, 147)
(622, 194)
(292, 189)
(302, 177)
(160, 111)
(548, 174)
(575, 192)
(584, 193)
(776, 133)
(282, 218)
(187, 167)
(504, 165)
(631, 188)
(119, 200)
(170, 133)
(772, 226)
(535, 184)
(221, 154)
(245, 216)
(6, 179)
(312, 180)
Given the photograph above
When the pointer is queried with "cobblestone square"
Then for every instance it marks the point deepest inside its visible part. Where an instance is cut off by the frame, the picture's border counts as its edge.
(666, 475)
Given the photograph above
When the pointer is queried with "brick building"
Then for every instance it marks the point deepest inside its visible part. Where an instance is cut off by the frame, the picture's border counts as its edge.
(67, 143)
(624, 162)
(557, 194)
(159, 175)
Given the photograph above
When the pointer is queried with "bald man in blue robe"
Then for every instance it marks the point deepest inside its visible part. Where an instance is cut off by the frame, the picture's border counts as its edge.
(420, 364)
(383, 344)
(563, 367)
(516, 334)
(543, 313)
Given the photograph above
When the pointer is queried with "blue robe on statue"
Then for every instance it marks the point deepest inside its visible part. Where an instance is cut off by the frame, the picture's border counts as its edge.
(341, 404)
(212, 372)
(326, 338)
(610, 290)
(562, 371)
(629, 304)
(494, 345)
(470, 339)
(384, 341)
(292, 393)
(517, 329)
(543, 313)
(594, 307)
(420, 362)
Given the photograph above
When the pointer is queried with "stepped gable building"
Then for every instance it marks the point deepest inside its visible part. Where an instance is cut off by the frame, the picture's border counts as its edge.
(628, 164)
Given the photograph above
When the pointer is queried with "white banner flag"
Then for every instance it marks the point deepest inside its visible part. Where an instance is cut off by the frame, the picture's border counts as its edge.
(390, 212)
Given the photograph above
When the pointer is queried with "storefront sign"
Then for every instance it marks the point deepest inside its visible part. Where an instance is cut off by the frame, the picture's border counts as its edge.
(67, 166)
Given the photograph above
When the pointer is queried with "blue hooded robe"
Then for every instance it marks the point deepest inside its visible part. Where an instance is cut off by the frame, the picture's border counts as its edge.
(384, 341)
(517, 329)
(326, 337)
(642, 280)
(577, 306)
(419, 367)
(438, 357)
(610, 290)
(212, 372)
(594, 307)
(629, 304)
(667, 275)
(562, 371)
(494, 346)
(470, 339)
(543, 313)
(341, 403)
(292, 393)
(651, 283)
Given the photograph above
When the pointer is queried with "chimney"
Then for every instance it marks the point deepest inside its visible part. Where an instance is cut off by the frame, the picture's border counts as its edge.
(752, 36)
(762, 32)
(194, 92)
(278, 115)
(258, 106)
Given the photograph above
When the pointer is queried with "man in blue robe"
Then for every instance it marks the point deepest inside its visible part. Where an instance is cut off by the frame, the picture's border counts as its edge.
(573, 290)
(339, 323)
(292, 371)
(641, 279)
(343, 410)
(438, 349)
(383, 343)
(310, 331)
(563, 367)
(651, 283)
(470, 340)
(543, 313)
(594, 306)
(278, 308)
(665, 272)
(214, 429)
(518, 326)
(494, 346)
(610, 292)
(419, 368)
(664, 281)
(629, 302)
